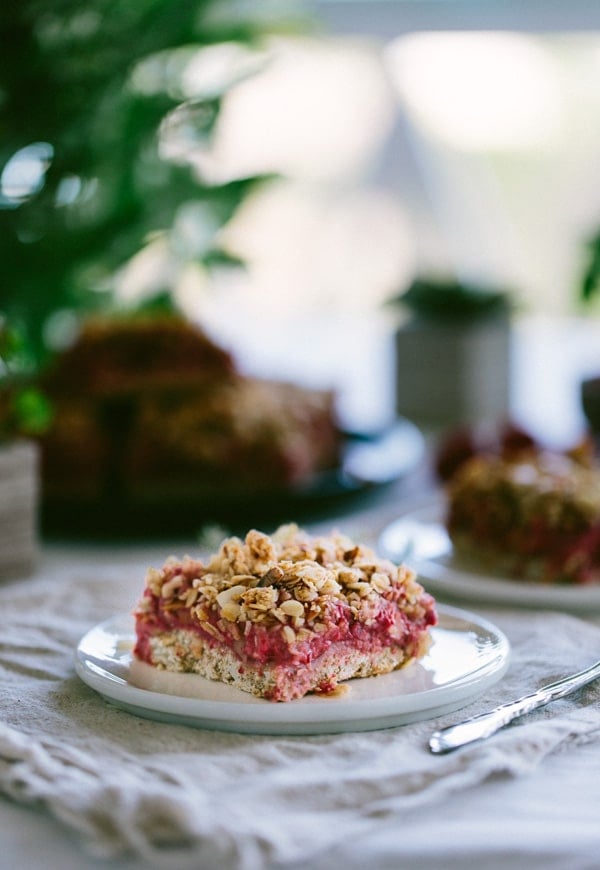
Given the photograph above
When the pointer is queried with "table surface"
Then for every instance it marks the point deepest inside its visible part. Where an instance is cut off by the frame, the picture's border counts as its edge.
(544, 818)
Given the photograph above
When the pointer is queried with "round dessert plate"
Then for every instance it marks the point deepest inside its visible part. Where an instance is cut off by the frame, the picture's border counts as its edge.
(420, 539)
(468, 655)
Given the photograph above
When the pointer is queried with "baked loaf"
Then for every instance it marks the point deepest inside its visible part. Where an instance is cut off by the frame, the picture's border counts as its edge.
(535, 516)
(282, 616)
(150, 407)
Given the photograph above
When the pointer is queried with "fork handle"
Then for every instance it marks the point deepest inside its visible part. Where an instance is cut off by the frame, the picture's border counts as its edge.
(485, 724)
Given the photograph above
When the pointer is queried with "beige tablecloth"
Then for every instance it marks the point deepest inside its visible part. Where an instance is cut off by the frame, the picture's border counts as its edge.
(180, 797)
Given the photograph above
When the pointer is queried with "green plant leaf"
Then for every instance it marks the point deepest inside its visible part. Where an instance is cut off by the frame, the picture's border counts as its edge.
(84, 179)
(32, 412)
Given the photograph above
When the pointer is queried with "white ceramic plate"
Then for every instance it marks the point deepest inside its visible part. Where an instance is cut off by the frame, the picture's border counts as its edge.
(420, 539)
(467, 656)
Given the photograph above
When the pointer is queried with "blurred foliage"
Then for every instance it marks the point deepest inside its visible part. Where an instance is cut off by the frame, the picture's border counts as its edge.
(24, 410)
(83, 182)
(449, 301)
(590, 283)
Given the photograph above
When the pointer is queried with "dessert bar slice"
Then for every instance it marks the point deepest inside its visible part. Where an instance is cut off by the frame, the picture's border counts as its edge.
(149, 411)
(284, 615)
(533, 517)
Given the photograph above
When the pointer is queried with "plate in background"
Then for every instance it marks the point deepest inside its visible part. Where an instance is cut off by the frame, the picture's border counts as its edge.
(369, 461)
(420, 538)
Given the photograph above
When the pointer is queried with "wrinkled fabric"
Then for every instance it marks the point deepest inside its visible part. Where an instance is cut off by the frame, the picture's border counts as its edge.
(183, 797)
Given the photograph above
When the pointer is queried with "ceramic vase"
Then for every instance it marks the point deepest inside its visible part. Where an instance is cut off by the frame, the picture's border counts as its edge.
(453, 374)
(19, 486)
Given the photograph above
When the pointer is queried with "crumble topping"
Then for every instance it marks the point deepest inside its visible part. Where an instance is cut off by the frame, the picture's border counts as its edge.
(536, 516)
(548, 486)
(290, 580)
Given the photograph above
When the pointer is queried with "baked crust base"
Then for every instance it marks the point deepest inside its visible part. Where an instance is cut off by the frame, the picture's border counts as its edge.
(186, 652)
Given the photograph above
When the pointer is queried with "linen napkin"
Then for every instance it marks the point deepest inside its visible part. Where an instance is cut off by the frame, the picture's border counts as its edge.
(183, 797)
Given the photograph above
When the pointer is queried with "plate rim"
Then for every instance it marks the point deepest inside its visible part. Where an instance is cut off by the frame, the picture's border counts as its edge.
(309, 715)
(483, 587)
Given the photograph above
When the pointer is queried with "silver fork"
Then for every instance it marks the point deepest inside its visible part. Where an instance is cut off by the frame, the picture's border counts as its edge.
(485, 724)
